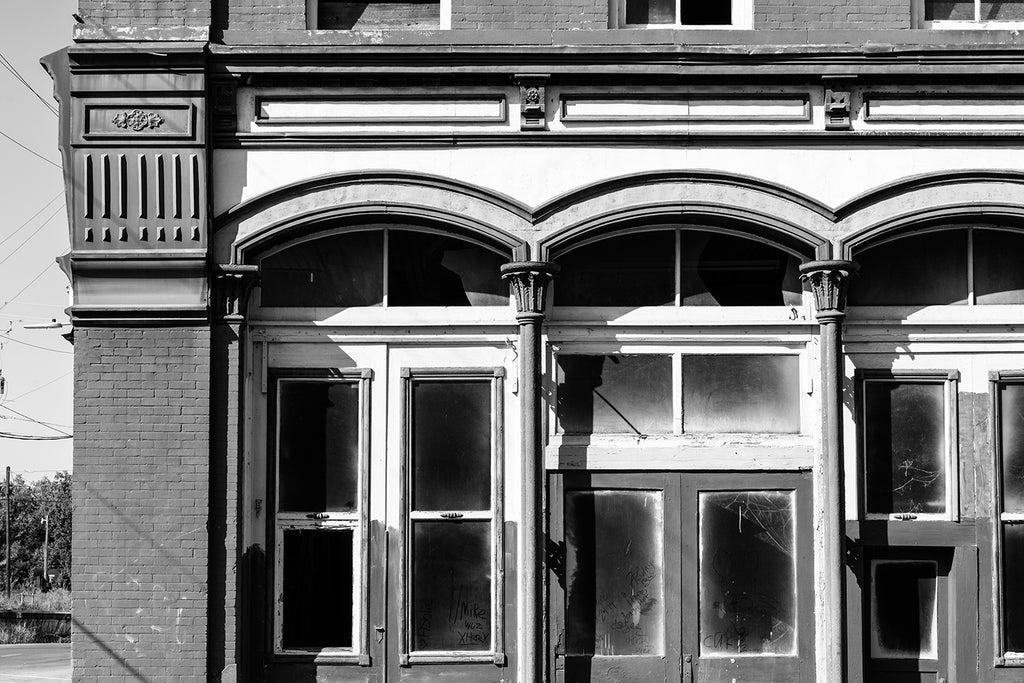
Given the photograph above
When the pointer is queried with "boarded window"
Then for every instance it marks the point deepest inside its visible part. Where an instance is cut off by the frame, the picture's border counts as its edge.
(316, 599)
(905, 447)
(615, 394)
(318, 436)
(337, 271)
(725, 270)
(627, 270)
(747, 573)
(741, 394)
(615, 573)
(343, 15)
(451, 589)
(903, 609)
(451, 445)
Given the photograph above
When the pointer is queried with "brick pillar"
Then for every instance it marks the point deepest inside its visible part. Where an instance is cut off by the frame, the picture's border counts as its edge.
(140, 544)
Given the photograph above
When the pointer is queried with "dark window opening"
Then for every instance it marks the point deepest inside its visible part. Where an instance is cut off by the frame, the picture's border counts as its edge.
(316, 599)
(903, 609)
(715, 269)
(343, 15)
(707, 13)
(615, 394)
(349, 270)
(319, 447)
(652, 12)
(904, 447)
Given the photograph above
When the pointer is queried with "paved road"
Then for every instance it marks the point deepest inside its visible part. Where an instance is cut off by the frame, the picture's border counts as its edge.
(35, 663)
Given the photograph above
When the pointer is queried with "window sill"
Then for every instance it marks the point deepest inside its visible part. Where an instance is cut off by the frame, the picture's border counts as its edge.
(973, 25)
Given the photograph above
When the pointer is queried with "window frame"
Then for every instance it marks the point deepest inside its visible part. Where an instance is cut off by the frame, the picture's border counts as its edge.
(496, 654)
(313, 17)
(998, 378)
(357, 521)
(950, 380)
(742, 18)
(918, 20)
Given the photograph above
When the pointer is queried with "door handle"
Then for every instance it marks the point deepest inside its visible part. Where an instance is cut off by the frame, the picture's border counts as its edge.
(687, 666)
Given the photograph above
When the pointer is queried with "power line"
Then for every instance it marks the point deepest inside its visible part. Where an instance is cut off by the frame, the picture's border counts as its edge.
(31, 218)
(28, 437)
(34, 346)
(41, 386)
(21, 291)
(14, 72)
(32, 419)
(33, 234)
(62, 428)
(30, 151)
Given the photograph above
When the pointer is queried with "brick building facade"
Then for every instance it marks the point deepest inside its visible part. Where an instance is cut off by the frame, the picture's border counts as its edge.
(509, 341)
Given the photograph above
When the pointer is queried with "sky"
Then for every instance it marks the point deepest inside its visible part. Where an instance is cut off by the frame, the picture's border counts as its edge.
(35, 364)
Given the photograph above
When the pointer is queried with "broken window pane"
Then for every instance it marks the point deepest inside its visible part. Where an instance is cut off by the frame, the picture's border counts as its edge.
(451, 448)
(998, 277)
(747, 573)
(318, 462)
(451, 591)
(615, 578)
(949, 10)
(905, 447)
(316, 600)
(903, 609)
(1011, 434)
(1013, 587)
(741, 394)
(615, 394)
(725, 270)
(927, 269)
(337, 271)
(628, 270)
(425, 269)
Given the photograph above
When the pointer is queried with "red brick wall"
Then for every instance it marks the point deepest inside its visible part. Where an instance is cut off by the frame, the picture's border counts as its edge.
(147, 12)
(140, 545)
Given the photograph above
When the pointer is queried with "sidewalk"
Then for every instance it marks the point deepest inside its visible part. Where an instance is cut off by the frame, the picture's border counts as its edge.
(31, 663)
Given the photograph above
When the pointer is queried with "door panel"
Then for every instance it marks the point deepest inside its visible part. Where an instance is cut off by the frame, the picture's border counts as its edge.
(727, 596)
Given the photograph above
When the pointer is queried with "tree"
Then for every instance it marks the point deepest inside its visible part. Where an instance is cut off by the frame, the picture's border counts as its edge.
(30, 504)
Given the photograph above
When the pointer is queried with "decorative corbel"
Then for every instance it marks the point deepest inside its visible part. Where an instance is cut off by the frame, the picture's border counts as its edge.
(232, 285)
(224, 99)
(838, 104)
(829, 282)
(529, 281)
(532, 99)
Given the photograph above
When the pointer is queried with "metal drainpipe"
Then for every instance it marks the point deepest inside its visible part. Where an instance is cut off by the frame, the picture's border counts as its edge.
(829, 281)
(529, 280)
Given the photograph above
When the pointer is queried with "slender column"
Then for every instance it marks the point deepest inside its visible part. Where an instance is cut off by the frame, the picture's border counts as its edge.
(829, 280)
(529, 280)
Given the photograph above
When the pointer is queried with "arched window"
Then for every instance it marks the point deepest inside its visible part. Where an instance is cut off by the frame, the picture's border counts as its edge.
(686, 266)
(948, 266)
(382, 266)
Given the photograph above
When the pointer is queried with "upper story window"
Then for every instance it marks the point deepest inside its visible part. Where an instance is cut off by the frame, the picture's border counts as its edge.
(685, 13)
(677, 267)
(346, 15)
(382, 266)
(960, 266)
(960, 14)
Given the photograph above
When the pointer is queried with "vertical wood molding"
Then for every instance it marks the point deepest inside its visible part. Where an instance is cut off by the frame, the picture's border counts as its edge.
(829, 281)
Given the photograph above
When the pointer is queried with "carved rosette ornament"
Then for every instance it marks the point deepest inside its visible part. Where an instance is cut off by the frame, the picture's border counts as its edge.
(137, 120)
(532, 96)
(829, 281)
(233, 283)
(529, 281)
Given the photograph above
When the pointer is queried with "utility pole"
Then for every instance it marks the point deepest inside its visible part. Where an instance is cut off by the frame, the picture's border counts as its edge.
(46, 543)
(7, 532)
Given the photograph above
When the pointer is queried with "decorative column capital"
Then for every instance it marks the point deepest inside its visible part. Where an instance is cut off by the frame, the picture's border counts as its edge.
(232, 285)
(529, 281)
(829, 282)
